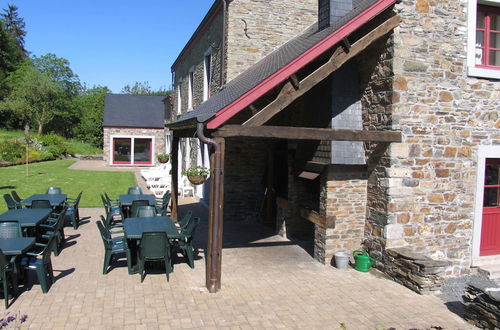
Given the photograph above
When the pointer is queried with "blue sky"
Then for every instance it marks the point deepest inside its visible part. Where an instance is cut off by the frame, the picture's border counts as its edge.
(112, 43)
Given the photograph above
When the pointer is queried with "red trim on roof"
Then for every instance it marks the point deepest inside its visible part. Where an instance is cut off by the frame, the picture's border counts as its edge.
(251, 96)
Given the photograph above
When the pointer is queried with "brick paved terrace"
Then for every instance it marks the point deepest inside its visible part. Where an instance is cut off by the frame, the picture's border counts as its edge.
(267, 282)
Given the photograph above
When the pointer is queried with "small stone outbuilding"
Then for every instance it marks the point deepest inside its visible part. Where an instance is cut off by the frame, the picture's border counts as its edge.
(134, 129)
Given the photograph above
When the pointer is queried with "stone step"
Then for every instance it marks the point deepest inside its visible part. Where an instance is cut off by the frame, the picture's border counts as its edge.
(492, 271)
(488, 260)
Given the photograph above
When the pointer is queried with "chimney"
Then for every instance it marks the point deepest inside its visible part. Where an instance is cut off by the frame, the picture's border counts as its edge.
(331, 10)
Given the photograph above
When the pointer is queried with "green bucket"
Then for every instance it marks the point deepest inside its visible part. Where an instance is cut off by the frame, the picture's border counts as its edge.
(362, 261)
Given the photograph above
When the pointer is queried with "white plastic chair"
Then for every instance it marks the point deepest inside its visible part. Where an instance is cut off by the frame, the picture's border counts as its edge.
(185, 187)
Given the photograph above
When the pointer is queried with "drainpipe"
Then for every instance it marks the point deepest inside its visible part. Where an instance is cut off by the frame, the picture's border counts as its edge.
(214, 240)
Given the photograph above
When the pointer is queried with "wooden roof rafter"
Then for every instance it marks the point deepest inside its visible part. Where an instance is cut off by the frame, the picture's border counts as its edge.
(293, 88)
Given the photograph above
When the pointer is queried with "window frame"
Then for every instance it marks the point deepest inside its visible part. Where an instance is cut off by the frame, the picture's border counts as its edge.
(207, 74)
(487, 10)
(179, 97)
(474, 69)
(190, 89)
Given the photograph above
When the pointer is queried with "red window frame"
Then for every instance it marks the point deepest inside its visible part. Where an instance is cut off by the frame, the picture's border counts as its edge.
(488, 11)
(131, 151)
(150, 152)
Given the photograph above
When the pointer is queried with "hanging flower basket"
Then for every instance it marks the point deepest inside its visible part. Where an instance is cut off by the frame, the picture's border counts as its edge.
(197, 174)
(163, 158)
(197, 179)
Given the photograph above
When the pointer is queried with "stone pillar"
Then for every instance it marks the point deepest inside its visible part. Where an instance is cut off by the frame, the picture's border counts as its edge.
(343, 196)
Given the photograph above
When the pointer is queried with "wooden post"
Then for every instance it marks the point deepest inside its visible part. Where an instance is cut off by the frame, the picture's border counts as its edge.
(215, 221)
(175, 176)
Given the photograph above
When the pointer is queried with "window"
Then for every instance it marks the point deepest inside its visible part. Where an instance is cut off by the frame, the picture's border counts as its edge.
(488, 37)
(483, 39)
(132, 150)
(190, 90)
(179, 98)
(207, 77)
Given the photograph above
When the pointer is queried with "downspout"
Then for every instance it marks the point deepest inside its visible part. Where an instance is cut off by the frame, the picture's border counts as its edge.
(215, 201)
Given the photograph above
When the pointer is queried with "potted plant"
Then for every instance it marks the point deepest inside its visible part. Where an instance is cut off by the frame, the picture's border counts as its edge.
(163, 158)
(196, 174)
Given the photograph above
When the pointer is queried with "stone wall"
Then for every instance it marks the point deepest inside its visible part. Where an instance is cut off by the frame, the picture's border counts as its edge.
(444, 115)
(158, 134)
(210, 39)
(257, 27)
(421, 192)
(343, 196)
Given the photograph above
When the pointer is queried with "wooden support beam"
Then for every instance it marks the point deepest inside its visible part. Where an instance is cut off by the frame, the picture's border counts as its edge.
(175, 175)
(310, 215)
(307, 133)
(339, 57)
(295, 81)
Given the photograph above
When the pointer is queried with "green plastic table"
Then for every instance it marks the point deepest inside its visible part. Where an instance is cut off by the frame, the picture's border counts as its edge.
(126, 200)
(26, 217)
(54, 199)
(16, 246)
(135, 227)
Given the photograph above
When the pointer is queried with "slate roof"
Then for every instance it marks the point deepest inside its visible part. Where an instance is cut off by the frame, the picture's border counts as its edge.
(266, 67)
(125, 110)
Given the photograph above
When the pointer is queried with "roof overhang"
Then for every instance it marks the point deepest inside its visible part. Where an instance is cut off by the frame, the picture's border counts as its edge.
(302, 60)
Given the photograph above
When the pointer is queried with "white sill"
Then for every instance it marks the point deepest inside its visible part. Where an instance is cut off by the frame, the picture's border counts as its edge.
(483, 73)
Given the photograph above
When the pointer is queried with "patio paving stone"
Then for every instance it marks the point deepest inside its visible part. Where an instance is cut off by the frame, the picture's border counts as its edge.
(267, 282)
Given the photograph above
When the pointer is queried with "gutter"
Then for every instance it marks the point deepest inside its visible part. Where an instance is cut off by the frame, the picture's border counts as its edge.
(214, 240)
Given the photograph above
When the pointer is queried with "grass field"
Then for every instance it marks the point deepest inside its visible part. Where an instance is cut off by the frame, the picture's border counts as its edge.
(56, 173)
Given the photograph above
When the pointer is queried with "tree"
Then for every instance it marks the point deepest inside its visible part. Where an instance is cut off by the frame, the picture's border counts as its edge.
(33, 96)
(92, 105)
(15, 25)
(143, 88)
(68, 112)
(10, 58)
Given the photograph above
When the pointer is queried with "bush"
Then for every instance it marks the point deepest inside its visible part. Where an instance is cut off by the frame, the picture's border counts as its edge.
(54, 144)
(11, 150)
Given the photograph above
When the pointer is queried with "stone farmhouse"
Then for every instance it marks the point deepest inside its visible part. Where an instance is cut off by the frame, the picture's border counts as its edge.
(348, 124)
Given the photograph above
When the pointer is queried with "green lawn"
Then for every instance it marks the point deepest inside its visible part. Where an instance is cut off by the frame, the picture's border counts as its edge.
(56, 173)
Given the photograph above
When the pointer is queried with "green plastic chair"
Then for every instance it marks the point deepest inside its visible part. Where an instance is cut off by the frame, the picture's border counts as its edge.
(136, 204)
(11, 203)
(111, 211)
(111, 227)
(185, 241)
(145, 212)
(55, 227)
(53, 190)
(10, 229)
(134, 191)
(154, 246)
(17, 199)
(6, 271)
(72, 211)
(185, 219)
(162, 208)
(41, 263)
(40, 204)
(113, 202)
(113, 246)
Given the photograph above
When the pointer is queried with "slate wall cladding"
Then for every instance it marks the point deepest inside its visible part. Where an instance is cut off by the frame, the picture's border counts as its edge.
(244, 186)
(159, 135)
(421, 192)
(268, 23)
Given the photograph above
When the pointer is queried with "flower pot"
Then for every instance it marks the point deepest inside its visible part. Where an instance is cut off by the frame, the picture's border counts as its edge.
(341, 260)
(197, 179)
(163, 161)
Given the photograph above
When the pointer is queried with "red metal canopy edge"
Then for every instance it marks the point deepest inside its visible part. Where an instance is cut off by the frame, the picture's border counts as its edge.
(251, 96)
